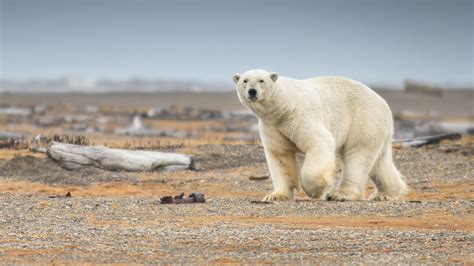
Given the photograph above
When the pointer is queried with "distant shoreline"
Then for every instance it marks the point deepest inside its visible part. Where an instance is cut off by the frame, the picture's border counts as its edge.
(131, 91)
(453, 103)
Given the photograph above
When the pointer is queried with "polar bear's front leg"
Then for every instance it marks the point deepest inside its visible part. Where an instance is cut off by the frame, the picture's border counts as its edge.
(317, 172)
(281, 161)
(284, 172)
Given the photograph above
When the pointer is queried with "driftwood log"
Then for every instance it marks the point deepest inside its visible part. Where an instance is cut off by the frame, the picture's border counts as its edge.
(422, 87)
(138, 129)
(422, 141)
(259, 177)
(194, 197)
(72, 157)
(10, 135)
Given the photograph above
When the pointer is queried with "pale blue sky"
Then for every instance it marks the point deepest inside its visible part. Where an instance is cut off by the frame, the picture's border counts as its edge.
(375, 41)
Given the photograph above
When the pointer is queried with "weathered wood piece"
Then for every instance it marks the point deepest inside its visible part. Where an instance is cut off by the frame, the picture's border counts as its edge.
(38, 149)
(422, 141)
(72, 157)
(138, 129)
(194, 197)
(259, 177)
(261, 202)
(10, 135)
(422, 87)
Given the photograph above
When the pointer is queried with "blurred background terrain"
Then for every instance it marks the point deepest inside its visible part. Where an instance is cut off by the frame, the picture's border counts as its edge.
(60, 56)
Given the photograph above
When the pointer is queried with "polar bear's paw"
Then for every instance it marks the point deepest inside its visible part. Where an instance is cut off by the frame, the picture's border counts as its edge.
(277, 196)
(343, 195)
(380, 196)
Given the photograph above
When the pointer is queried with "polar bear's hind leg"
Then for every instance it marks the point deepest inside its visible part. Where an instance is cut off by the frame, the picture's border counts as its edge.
(387, 179)
(358, 163)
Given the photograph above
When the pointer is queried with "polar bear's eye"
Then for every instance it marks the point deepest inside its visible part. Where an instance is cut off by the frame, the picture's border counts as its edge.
(261, 81)
(245, 80)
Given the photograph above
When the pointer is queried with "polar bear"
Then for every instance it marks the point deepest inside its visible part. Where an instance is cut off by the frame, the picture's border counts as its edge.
(324, 118)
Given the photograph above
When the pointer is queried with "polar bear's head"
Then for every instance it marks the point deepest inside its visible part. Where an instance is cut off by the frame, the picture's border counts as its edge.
(254, 86)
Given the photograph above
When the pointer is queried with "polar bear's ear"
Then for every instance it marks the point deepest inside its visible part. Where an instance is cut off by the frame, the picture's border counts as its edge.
(236, 78)
(274, 76)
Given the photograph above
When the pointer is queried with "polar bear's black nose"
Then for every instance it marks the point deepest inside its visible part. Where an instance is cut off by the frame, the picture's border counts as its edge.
(252, 93)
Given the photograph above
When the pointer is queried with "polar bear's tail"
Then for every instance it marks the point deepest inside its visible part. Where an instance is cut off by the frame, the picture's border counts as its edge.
(388, 180)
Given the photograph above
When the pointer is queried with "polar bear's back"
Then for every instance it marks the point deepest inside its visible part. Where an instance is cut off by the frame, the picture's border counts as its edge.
(353, 94)
(349, 88)
(369, 112)
(341, 86)
(349, 105)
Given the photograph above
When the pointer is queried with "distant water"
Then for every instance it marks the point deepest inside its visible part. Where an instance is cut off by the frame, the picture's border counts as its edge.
(93, 86)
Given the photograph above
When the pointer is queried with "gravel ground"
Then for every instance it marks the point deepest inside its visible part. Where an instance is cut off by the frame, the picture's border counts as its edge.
(433, 224)
(126, 230)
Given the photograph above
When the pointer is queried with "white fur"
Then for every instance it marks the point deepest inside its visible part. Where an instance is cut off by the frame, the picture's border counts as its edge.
(323, 118)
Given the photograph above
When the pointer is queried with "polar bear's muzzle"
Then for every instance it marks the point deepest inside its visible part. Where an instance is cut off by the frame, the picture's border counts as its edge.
(252, 94)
